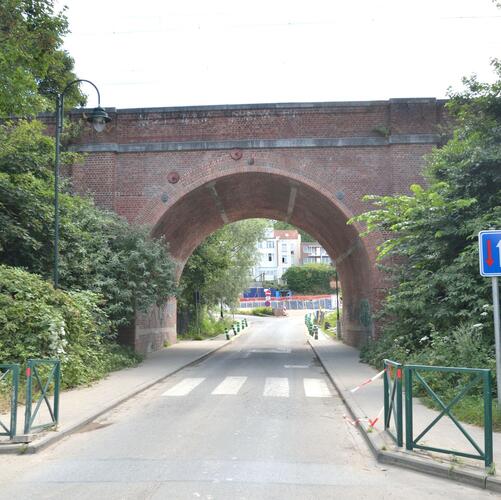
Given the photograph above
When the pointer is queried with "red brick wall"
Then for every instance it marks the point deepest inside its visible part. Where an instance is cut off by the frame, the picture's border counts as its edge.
(310, 164)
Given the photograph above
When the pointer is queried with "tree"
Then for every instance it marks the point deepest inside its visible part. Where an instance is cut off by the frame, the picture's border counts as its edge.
(33, 65)
(310, 278)
(220, 267)
(432, 252)
(99, 251)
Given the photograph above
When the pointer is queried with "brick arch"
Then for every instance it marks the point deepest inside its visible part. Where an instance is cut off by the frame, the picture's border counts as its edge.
(263, 192)
(333, 153)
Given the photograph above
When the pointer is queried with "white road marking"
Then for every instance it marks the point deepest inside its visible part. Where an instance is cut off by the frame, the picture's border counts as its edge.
(278, 350)
(184, 387)
(316, 388)
(296, 366)
(276, 387)
(230, 386)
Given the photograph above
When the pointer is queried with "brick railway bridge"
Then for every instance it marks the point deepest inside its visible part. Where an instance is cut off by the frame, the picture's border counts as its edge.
(187, 171)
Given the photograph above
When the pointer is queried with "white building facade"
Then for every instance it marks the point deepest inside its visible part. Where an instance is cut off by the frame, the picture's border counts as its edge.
(279, 250)
(312, 252)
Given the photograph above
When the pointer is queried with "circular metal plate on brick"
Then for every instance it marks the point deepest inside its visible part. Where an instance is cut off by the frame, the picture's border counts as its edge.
(173, 177)
(236, 154)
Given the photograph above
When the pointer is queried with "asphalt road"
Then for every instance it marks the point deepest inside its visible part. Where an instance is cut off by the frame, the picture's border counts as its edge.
(256, 420)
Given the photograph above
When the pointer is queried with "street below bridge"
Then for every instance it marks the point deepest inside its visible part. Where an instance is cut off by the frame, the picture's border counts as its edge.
(258, 419)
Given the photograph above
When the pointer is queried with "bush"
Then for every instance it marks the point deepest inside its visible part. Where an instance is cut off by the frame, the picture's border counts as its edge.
(209, 327)
(37, 321)
(310, 278)
(262, 311)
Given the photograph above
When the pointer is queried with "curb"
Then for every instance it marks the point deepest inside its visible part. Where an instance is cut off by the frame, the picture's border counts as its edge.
(419, 464)
(49, 440)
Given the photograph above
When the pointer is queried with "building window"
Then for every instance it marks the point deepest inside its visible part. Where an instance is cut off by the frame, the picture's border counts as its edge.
(284, 247)
(270, 244)
(284, 259)
(270, 257)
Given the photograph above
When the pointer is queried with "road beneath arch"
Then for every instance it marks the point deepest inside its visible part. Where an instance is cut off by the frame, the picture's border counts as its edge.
(256, 420)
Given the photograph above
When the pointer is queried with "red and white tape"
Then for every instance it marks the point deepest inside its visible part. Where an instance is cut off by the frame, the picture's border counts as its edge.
(356, 421)
(368, 381)
(372, 422)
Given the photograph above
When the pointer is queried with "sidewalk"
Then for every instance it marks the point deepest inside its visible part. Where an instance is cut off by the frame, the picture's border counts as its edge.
(342, 364)
(80, 406)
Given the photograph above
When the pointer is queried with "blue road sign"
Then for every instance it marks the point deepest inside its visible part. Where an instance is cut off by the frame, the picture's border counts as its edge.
(490, 252)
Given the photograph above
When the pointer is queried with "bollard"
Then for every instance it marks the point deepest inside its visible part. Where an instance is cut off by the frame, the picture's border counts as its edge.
(234, 329)
(227, 334)
(315, 332)
(243, 324)
(238, 327)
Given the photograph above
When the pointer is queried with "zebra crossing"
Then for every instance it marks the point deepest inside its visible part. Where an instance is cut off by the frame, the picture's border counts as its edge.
(274, 387)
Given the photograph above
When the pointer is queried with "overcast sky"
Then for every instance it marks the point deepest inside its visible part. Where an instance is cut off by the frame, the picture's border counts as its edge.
(190, 52)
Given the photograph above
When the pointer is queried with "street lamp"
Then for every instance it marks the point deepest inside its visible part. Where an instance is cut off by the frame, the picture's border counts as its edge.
(99, 118)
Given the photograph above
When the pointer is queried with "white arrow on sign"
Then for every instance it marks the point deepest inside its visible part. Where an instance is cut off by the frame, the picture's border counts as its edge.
(499, 250)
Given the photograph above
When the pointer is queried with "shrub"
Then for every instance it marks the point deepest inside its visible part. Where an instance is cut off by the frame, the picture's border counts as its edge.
(38, 321)
(310, 278)
(262, 311)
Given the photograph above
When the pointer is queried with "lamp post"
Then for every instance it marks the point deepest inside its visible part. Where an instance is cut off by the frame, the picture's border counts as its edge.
(99, 118)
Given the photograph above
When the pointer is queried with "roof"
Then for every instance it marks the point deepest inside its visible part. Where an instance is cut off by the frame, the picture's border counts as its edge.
(286, 234)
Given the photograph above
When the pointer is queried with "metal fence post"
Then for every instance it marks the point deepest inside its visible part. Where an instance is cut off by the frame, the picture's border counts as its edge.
(13, 402)
(386, 389)
(29, 402)
(400, 433)
(57, 382)
(408, 409)
(488, 419)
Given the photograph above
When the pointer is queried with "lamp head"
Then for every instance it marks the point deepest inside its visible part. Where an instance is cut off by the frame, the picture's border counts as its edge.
(99, 118)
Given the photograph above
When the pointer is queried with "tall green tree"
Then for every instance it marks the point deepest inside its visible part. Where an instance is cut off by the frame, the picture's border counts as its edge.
(99, 251)
(432, 252)
(220, 267)
(33, 65)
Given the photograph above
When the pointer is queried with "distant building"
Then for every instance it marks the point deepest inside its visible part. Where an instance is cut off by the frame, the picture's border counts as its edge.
(280, 250)
(312, 252)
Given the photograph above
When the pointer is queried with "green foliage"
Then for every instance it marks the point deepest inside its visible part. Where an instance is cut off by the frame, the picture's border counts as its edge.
(439, 311)
(209, 327)
(37, 321)
(261, 311)
(329, 323)
(98, 250)
(33, 65)
(310, 278)
(220, 267)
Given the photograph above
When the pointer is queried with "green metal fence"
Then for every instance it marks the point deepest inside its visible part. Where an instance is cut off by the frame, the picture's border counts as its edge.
(414, 372)
(9, 379)
(393, 400)
(41, 376)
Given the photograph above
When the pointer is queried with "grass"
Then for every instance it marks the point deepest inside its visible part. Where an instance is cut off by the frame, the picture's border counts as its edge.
(257, 311)
(209, 327)
(332, 321)
(469, 410)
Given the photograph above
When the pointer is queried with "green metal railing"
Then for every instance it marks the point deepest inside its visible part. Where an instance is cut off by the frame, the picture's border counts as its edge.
(12, 371)
(393, 400)
(412, 372)
(35, 383)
